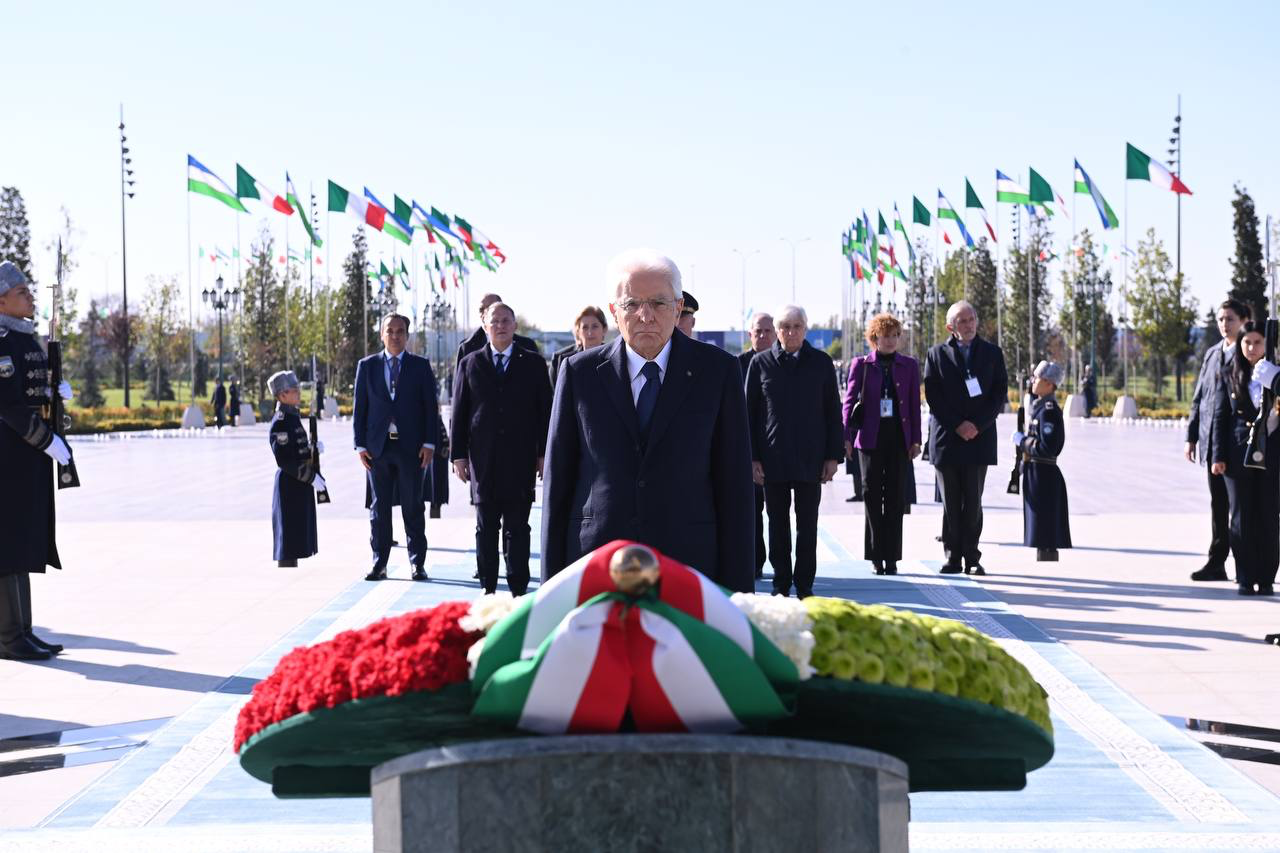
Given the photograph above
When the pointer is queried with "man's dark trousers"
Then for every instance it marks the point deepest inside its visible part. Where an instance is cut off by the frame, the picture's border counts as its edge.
(513, 515)
(1220, 508)
(777, 497)
(760, 549)
(962, 511)
(399, 465)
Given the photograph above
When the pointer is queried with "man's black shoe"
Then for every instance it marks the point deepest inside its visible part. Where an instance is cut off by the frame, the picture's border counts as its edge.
(975, 569)
(1210, 572)
(287, 564)
(1263, 589)
(23, 649)
(1047, 555)
(878, 566)
(1246, 589)
(856, 499)
(891, 568)
(51, 648)
(419, 573)
(379, 573)
(803, 593)
(951, 569)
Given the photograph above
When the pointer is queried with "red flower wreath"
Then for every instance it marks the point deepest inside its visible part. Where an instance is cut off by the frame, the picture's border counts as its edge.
(423, 650)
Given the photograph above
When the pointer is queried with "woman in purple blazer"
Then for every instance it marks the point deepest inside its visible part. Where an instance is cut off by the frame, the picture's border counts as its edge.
(885, 430)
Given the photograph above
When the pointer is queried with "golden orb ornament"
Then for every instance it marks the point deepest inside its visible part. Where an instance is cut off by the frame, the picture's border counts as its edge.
(634, 569)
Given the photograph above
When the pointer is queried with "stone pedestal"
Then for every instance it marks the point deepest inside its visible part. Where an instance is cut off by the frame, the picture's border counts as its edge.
(1075, 407)
(1126, 408)
(330, 408)
(193, 417)
(246, 415)
(641, 792)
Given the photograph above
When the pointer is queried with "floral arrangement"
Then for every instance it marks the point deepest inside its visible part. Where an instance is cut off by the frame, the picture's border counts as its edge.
(786, 622)
(423, 650)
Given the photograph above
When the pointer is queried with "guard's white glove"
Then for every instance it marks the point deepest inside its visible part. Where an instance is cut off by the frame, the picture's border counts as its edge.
(1018, 438)
(318, 483)
(1265, 372)
(64, 390)
(319, 446)
(58, 451)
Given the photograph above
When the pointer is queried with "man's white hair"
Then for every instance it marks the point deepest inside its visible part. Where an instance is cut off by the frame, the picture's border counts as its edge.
(791, 311)
(759, 315)
(634, 262)
(957, 307)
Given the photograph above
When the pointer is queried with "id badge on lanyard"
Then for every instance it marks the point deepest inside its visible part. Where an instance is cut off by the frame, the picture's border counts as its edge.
(886, 407)
(975, 389)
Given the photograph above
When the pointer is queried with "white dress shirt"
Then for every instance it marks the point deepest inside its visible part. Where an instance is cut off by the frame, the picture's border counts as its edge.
(386, 377)
(636, 362)
(506, 355)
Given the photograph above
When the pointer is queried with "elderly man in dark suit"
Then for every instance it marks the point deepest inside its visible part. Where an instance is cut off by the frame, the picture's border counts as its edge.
(649, 438)
(478, 338)
(1231, 316)
(797, 443)
(967, 385)
(501, 405)
(395, 426)
(763, 336)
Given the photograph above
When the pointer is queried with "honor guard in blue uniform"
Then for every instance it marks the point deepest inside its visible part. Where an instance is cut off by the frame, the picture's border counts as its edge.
(1045, 520)
(28, 448)
(293, 502)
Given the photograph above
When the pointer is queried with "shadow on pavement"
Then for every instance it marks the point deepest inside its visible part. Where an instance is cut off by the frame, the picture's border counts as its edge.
(83, 641)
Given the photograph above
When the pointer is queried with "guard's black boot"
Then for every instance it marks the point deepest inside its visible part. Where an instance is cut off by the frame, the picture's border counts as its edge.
(878, 566)
(975, 569)
(287, 564)
(891, 568)
(1047, 555)
(51, 648)
(378, 573)
(952, 568)
(419, 573)
(23, 649)
(1210, 572)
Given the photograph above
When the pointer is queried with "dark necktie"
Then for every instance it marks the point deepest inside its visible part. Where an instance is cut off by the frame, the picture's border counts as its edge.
(502, 368)
(648, 395)
(395, 374)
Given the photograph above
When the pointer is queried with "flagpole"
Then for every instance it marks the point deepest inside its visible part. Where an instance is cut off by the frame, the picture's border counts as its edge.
(311, 275)
(190, 307)
(1074, 274)
(933, 301)
(1124, 293)
(239, 308)
(328, 296)
(999, 290)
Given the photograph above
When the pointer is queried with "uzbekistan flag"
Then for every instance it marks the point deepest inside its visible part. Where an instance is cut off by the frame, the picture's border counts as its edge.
(1140, 167)
(898, 226)
(248, 187)
(491, 248)
(340, 200)
(391, 224)
(201, 180)
(971, 201)
(1087, 186)
(946, 211)
(1009, 192)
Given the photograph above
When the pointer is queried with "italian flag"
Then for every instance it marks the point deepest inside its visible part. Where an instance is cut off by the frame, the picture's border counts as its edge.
(201, 180)
(340, 200)
(248, 187)
(391, 225)
(291, 196)
(490, 247)
(1009, 192)
(972, 201)
(1140, 167)
(672, 672)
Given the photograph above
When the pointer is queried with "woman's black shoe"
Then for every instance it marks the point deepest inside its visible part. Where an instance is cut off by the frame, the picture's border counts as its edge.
(891, 568)
(878, 566)
(1246, 589)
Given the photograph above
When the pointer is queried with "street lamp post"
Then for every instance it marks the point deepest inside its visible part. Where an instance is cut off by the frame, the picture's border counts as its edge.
(793, 244)
(221, 300)
(744, 256)
(126, 191)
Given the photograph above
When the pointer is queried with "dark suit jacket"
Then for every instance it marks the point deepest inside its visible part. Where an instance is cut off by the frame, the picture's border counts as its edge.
(744, 361)
(1204, 403)
(687, 492)
(414, 407)
(794, 413)
(500, 423)
(478, 339)
(906, 381)
(950, 404)
(558, 357)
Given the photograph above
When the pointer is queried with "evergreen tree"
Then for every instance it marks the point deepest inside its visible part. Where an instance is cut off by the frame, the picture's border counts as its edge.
(970, 274)
(1163, 312)
(353, 339)
(15, 231)
(1087, 327)
(1210, 336)
(162, 336)
(1026, 323)
(922, 317)
(262, 298)
(89, 394)
(1248, 278)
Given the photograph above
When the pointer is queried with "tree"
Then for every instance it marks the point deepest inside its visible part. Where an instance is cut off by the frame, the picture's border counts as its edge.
(1248, 278)
(262, 298)
(89, 394)
(15, 231)
(120, 337)
(1026, 322)
(353, 339)
(1086, 324)
(1162, 311)
(970, 274)
(162, 337)
(922, 317)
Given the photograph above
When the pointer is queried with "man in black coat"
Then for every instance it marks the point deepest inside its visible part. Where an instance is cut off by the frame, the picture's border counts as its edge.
(478, 338)
(1231, 315)
(395, 426)
(234, 411)
(966, 385)
(219, 401)
(797, 442)
(763, 337)
(501, 406)
(649, 438)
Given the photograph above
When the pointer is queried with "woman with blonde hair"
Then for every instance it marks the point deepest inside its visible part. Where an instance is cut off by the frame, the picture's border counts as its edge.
(589, 329)
(882, 422)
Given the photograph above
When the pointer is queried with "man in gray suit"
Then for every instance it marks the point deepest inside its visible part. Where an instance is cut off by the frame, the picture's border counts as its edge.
(1231, 315)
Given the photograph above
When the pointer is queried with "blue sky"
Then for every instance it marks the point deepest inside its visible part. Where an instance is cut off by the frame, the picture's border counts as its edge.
(568, 131)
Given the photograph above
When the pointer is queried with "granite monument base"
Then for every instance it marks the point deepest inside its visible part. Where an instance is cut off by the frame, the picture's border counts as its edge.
(641, 793)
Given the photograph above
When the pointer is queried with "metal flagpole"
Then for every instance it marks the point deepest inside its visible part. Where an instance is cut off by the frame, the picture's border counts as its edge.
(999, 291)
(191, 323)
(239, 307)
(933, 300)
(1124, 292)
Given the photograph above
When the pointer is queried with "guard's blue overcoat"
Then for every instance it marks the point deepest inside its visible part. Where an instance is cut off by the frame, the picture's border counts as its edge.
(1045, 520)
(26, 496)
(293, 501)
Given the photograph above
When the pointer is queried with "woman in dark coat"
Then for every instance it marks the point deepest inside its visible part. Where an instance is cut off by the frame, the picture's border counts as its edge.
(293, 500)
(1046, 524)
(885, 430)
(1253, 493)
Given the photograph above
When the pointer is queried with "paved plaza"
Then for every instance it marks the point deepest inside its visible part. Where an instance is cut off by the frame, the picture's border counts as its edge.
(171, 609)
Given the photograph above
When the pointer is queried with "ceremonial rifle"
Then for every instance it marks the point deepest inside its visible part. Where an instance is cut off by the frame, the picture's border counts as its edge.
(59, 420)
(1255, 455)
(1015, 477)
(322, 496)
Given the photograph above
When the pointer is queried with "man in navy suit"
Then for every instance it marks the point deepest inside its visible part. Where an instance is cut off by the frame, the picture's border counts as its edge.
(395, 426)
(649, 438)
(501, 405)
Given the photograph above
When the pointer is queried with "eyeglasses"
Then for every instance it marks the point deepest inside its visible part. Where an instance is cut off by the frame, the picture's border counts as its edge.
(632, 307)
